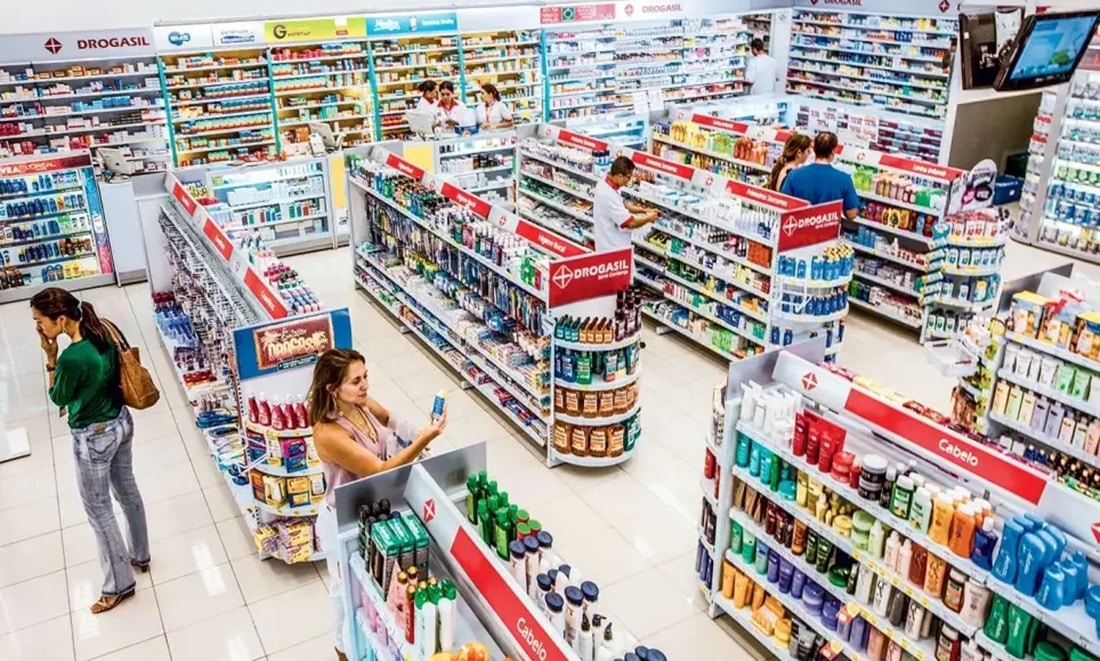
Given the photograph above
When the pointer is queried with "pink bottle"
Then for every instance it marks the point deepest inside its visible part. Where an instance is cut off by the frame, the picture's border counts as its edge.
(301, 415)
(278, 420)
(253, 409)
(264, 411)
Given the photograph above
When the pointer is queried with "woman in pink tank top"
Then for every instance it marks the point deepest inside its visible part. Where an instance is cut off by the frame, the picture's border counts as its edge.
(355, 437)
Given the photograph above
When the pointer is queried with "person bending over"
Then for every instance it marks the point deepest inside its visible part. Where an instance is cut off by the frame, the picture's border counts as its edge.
(84, 379)
(355, 436)
(820, 182)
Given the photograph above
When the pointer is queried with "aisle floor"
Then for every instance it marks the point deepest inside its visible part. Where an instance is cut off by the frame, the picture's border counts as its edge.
(208, 598)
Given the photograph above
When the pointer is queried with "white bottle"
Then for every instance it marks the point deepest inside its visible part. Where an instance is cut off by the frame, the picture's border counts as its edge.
(893, 545)
(447, 617)
(920, 513)
(431, 625)
(608, 646)
(881, 602)
(586, 647)
(905, 558)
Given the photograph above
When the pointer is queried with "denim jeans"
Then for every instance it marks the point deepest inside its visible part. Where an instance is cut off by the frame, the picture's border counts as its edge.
(104, 455)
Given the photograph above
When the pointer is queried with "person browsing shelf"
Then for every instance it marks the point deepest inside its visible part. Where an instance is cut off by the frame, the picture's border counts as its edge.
(795, 152)
(428, 97)
(762, 71)
(84, 378)
(355, 436)
(614, 218)
(821, 182)
(450, 112)
(492, 113)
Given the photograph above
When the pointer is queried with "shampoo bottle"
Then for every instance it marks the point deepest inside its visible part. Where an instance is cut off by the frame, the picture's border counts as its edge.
(985, 540)
(1032, 551)
(876, 540)
(943, 510)
(1005, 562)
(920, 513)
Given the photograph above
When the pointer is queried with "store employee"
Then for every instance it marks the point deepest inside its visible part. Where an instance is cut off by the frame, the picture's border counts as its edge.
(615, 219)
(450, 112)
(820, 182)
(492, 113)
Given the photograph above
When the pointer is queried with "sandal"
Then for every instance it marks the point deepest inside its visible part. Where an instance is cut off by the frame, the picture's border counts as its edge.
(340, 656)
(142, 566)
(109, 601)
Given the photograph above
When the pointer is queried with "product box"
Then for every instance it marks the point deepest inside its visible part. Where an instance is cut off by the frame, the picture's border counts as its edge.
(1058, 327)
(421, 541)
(1087, 334)
(298, 491)
(384, 551)
(256, 478)
(407, 544)
(1026, 313)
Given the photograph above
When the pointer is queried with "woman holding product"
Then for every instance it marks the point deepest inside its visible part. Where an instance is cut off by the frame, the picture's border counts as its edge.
(355, 437)
(450, 112)
(492, 113)
(84, 379)
(795, 152)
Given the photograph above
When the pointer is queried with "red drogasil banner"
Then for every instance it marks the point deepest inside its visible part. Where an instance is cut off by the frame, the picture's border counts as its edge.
(764, 196)
(218, 238)
(974, 458)
(480, 207)
(548, 240)
(404, 167)
(582, 141)
(590, 275)
(809, 226)
(921, 167)
(718, 123)
(661, 165)
(184, 198)
(514, 613)
(44, 165)
(255, 284)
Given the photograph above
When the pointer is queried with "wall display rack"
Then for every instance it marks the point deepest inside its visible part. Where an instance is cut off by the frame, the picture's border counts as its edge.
(52, 228)
(730, 263)
(512, 61)
(844, 518)
(899, 62)
(483, 164)
(905, 270)
(546, 332)
(289, 205)
(579, 66)
(224, 310)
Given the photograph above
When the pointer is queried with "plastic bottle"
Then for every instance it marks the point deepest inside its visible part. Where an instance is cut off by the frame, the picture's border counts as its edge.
(447, 622)
(905, 558)
(876, 540)
(431, 621)
(1006, 562)
(962, 530)
(985, 540)
(920, 512)
(586, 648)
(893, 545)
(943, 510)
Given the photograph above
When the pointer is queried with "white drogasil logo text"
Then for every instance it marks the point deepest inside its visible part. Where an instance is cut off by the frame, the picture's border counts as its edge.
(793, 224)
(533, 643)
(565, 275)
(952, 450)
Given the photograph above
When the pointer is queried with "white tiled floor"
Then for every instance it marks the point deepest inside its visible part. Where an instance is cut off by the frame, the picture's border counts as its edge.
(631, 528)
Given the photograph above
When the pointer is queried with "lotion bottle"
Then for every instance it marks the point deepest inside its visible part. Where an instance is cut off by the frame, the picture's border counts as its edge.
(447, 622)
(585, 643)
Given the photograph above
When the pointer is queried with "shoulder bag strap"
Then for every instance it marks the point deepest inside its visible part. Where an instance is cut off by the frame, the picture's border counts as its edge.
(116, 335)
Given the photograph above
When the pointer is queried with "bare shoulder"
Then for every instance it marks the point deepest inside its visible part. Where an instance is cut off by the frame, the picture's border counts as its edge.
(327, 431)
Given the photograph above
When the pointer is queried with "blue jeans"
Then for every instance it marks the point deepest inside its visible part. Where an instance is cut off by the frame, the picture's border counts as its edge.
(104, 460)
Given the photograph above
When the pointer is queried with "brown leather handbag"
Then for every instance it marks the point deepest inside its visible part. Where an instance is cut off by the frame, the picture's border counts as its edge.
(139, 391)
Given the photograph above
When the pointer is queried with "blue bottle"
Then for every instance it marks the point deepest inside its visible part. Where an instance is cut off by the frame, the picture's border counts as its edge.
(1050, 594)
(985, 541)
(1006, 562)
(1032, 552)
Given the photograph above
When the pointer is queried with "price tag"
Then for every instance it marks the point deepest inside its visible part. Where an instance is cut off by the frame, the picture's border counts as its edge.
(870, 617)
(857, 555)
(909, 592)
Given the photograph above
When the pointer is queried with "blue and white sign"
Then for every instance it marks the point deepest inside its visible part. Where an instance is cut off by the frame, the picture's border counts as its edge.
(401, 26)
(247, 34)
(168, 38)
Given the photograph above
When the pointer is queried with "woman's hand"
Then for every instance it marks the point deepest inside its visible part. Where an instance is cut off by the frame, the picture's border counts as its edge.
(49, 347)
(435, 428)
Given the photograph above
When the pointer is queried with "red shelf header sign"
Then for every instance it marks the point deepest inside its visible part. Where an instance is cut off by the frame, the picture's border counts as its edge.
(764, 196)
(590, 276)
(574, 139)
(468, 201)
(809, 226)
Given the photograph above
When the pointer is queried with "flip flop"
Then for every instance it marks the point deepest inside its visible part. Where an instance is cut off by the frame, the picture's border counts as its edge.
(109, 601)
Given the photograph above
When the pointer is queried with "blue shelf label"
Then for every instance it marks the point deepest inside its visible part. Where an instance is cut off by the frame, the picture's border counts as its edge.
(383, 26)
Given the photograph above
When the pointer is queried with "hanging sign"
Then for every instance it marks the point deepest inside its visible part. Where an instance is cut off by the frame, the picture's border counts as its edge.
(633, 10)
(77, 46)
(483, 19)
(247, 33)
(398, 25)
(10, 168)
(809, 226)
(587, 13)
(315, 29)
(590, 276)
(291, 343)
(168, 38)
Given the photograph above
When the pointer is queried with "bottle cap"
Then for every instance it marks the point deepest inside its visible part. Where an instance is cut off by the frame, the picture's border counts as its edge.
(987, 525)
(905, 483)
(565, 569)
(530, 544)
(517, 549)
(546, 540)
(545, 582)
(642, 652)
(591, 591)
(554, 602)
(450, 591)
(574, 595)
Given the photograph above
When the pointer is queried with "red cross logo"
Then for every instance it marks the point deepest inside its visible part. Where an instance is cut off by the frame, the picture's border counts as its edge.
(429, 510)
(944, 6)
(710, 181)
(809, 380)
(53, 45)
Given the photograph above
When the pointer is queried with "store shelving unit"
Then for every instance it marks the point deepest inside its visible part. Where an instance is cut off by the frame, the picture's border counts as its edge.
(760, 513)
(579, 70)
(759, 26)
(898, 62)
(220, 106)
(323, 83)
(482, 164)
(1039, 151)
(871, 127)
(222, 322)
(493, 320)
(74, 106)
(288, 205)
(904, 271)
(509, 59)
(52, 230)
(713, 255)
(629, 131)
(399, 65)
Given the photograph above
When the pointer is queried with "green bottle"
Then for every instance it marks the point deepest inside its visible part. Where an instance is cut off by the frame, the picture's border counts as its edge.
(471, 499)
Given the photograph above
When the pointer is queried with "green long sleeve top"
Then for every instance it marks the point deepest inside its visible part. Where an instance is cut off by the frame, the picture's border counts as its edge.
(86, 381)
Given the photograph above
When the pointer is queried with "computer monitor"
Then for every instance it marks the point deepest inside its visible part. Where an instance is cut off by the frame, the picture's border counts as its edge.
(116, 164)
(420, 122)
(1047, 50)
(330, 140)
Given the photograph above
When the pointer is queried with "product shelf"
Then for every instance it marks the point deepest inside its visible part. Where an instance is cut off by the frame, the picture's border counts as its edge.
(599, 385)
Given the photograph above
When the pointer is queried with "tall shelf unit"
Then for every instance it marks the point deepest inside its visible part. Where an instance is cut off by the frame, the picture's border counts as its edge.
(400, 64)
(899, 62)
(510, 60)
(580, 71)
(220, 106)
(59, 106)
(326, 83)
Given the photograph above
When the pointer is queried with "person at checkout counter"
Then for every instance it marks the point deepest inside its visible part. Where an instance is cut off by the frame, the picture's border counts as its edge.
(429, 99)
(449, 111)
(492, 113)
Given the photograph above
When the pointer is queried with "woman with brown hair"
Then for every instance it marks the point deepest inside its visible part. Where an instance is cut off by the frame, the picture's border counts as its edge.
(355, 437)
(795, 152)
(84, 378)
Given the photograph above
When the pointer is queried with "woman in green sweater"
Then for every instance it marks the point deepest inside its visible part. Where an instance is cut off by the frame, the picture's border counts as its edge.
(84, 379)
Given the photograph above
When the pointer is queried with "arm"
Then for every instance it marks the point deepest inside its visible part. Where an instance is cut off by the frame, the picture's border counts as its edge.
(505, 116)
(335, 446)
(636, 222)
(378, 411)
(851, 201)
(750, 71)
(634, 207)
(64, 381)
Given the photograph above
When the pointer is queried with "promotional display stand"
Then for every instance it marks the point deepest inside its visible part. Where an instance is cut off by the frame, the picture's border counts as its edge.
(906, 270)
(242, 331)
(808, 550)
(52, 229)
(714, 253)
(546, 332)
(469, 600)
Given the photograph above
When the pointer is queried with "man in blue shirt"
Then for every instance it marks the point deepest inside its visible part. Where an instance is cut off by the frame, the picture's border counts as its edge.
(820, 182)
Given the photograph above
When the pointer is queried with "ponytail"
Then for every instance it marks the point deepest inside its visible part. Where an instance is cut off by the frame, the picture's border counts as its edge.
(773, 178)
(54, 302)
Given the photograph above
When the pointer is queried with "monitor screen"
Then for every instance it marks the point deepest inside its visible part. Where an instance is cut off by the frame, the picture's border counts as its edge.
(1048, 50)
